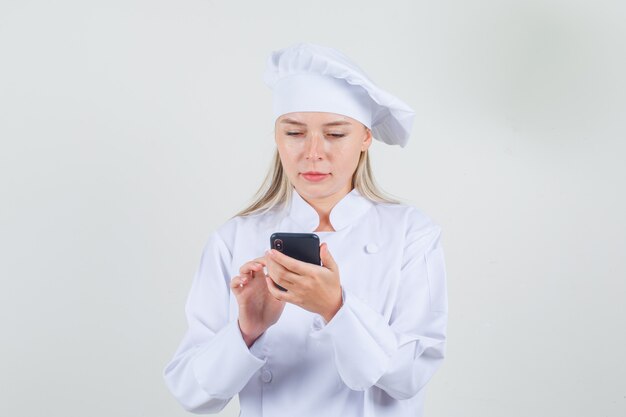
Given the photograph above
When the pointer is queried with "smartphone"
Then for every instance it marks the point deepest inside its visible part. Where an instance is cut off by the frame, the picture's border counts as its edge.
(302, 246)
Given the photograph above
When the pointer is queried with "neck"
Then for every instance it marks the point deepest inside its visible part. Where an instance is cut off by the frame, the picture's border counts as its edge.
(324, 205)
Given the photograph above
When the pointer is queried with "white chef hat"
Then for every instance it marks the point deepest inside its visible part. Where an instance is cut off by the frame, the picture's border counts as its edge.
(309, 77)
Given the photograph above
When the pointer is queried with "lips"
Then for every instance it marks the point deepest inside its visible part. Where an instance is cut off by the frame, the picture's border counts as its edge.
(314, 176)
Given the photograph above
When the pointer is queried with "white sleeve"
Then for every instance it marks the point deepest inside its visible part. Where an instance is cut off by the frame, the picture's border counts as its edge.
(212, 363)
(401, 355)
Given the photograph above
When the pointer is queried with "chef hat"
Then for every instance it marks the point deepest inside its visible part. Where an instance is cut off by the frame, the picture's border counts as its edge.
(308, 77)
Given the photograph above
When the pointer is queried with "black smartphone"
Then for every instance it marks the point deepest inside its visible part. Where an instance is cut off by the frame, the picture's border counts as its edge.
(304, 247)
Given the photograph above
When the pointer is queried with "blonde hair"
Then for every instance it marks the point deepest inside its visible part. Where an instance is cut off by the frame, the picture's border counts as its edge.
(276, 188)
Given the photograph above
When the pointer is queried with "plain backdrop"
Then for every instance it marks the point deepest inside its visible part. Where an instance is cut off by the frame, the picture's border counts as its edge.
(132, 129)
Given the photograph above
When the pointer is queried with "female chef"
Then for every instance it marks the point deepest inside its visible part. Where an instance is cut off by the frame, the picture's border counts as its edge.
(359, 335)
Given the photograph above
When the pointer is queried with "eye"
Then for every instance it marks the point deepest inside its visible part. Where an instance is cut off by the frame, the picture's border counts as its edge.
(336, 135)
(293, 133)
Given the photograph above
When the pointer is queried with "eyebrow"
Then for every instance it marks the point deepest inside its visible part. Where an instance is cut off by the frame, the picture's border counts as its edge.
(295, 122)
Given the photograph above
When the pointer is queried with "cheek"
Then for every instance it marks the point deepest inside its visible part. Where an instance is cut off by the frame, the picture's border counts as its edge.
(285, 151)
(289, 159)
(286, 159)
(290, 149)
(346, 158)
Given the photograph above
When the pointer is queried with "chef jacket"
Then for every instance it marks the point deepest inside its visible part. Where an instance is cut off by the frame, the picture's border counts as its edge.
(372, 359)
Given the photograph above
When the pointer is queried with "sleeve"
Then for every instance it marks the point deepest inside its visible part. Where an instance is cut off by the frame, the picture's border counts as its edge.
(400, 355)
(212, 363)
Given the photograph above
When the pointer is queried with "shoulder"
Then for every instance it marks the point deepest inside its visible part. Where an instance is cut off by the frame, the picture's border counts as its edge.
(410, 215)
(248, 225)
(414, 223)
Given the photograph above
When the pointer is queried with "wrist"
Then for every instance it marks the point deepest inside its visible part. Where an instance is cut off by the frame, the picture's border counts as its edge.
(249, 336)
(335, 308)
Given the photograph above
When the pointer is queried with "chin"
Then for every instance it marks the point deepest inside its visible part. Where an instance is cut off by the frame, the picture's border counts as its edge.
(317, 191)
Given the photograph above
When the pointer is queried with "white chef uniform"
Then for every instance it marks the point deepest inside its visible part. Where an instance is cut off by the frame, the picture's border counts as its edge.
(372, 359)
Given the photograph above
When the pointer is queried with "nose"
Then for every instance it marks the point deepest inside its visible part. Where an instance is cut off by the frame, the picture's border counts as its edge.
(314, 150)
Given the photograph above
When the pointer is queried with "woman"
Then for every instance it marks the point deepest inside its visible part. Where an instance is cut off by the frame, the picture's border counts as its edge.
(359, 335)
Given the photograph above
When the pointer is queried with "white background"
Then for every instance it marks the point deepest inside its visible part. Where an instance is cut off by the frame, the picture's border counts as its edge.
(131, 129)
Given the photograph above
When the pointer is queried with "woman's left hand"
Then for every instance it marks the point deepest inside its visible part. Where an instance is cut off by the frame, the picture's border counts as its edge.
(313, 287)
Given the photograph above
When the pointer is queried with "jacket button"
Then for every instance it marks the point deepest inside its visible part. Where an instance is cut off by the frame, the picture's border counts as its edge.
(266, 376)
(317, 323)
(371, 248)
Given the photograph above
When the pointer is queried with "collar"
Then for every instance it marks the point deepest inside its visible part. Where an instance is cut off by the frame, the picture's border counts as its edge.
(346, 212)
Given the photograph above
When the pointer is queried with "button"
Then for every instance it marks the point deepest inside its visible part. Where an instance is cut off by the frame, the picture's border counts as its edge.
(317, 323)
(266, 376)
(371, 248)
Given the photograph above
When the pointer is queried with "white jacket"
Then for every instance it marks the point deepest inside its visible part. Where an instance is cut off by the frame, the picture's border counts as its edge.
(375, 355)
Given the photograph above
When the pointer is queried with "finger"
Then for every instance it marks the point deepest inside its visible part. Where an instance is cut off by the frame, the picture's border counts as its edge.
(294, 265)
(281, 275)
(282, 281)
(275, 292)
(258, 274)
(237, 282)
(252, 266)
(327, 259)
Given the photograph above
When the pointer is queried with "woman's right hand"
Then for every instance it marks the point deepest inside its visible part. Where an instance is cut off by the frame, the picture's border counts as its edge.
(258, 309)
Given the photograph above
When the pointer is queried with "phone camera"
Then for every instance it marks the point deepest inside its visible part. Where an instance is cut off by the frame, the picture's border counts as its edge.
(278, 244)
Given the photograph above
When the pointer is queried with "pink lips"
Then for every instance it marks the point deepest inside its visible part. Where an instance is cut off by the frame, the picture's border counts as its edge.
(314, 176)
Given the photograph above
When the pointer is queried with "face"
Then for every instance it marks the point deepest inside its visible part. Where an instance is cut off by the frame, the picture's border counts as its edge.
(320, 152)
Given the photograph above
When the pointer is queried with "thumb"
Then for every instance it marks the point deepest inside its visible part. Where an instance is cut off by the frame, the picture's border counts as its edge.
(327, 259)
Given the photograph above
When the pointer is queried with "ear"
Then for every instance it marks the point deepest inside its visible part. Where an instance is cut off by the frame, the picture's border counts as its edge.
(276, 130)
(367, 139)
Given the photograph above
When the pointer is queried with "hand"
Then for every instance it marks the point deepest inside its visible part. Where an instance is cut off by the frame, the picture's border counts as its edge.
(313, 287)
(258, 308)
